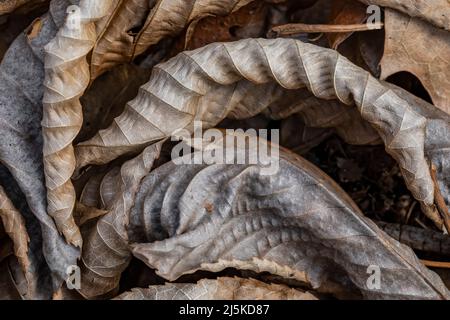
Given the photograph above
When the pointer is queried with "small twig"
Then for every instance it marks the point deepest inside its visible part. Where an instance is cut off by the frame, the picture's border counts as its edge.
(411, 208)
(436, 264)
(298, 28)
(439, 199)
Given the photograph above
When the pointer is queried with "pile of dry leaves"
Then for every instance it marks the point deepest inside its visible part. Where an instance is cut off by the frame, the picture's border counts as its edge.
(93, 205)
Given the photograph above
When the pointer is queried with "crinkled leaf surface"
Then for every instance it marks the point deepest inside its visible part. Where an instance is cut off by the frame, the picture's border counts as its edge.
(66, 79)
(210, 83)
(218, 289)
(21, 90)
(296, 223)
(105, 252)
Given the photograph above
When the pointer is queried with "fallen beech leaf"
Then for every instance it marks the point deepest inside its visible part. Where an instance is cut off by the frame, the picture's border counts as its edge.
(207, 84)
(105, 251)
(66, 79)
(407, 48)
(14, 225)
(295, 223)
(21, 89)
(218, 289)
(436, 12)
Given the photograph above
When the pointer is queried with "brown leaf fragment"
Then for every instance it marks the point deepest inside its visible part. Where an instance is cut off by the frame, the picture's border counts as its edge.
(247, 22)
(435, 12)
(14, 225)
(8, 288)
(132, 31)
(407, 48)
(218, 289)
(345, 12)
(114, 46)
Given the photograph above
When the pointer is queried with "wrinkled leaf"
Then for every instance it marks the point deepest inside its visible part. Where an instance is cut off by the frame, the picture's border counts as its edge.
(105, 251)
(66, 78)
(167, 18)
(220, 289)
(21, 90)
(209, 83)
(296, 223)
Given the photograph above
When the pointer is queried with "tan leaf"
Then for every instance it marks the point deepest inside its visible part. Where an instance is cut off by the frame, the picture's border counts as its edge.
(167, 18)
(105, 251)
(14, 225)
(218, 289)
(115, 44)
(407, 48)
(66, 79)
(436, 12)
(209, 83)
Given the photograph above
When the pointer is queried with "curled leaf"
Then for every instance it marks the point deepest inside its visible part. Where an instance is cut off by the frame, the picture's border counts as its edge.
(295, 223)
(66, 78)
(21, 89)
(105, 251)
(219, 289)
(209, 83)
(167, 18)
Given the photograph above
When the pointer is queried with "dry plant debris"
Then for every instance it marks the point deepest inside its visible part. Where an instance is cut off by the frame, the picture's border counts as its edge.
(117, 154)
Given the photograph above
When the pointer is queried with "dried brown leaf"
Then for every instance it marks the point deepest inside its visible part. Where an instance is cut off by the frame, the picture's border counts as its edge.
(167, 18)
(66, 78)
(407, 48)
(14, 225)
(218, 289)
(436, 12)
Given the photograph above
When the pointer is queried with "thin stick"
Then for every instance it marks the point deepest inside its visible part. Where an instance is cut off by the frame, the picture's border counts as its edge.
(439, 199)
(436, 264)
(297, 28)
